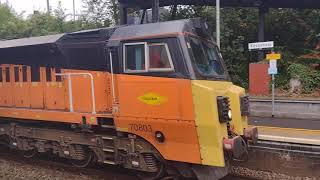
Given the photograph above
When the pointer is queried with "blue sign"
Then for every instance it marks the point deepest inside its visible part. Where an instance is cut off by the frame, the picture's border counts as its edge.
(273, 70)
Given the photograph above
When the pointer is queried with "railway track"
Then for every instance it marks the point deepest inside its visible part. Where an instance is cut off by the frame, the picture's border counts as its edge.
(274, 146)
(285, 157)
(50, 167)
(45, 166)
(13, 166)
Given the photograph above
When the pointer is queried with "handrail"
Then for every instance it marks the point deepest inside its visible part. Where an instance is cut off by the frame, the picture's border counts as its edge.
(112, 79)
(68, 75)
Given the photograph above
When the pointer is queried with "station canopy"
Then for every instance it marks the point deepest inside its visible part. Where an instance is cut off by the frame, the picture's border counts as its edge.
(301, 4)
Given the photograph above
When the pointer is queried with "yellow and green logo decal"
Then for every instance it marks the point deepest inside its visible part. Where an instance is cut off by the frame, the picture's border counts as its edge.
(153, 99)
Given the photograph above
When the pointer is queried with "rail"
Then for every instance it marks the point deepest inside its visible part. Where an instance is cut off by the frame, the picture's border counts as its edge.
(286, 101)
(287, 147)
(69, 75)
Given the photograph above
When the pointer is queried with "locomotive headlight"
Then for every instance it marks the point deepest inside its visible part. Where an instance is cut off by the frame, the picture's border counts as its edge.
(224, 111)
(230, 114)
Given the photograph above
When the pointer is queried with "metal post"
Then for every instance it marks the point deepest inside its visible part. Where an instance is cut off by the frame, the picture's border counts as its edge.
(48, 6)
(273, 95)
(174, 12)
(143, 16)
(218, 22)
(123, 14)
(112, 79)
(261, 28)
(155, 11)
(74, 10)
(93, 95)
(273, 86)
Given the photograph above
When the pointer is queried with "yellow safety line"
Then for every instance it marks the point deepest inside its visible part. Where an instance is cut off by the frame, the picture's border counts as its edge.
(288, 129)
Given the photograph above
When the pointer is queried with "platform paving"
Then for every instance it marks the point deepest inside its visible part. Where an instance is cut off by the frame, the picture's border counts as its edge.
(301, 131)
(310, 124)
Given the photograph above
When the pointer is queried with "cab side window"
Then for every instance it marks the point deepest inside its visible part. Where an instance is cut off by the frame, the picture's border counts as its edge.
(135, 57)
(159, 57)
(147, 57)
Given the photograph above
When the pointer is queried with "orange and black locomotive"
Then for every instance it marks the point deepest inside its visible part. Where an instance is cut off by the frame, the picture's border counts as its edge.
(154, 98)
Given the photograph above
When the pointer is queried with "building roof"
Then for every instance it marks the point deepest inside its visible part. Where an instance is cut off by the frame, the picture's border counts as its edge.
(302, 4)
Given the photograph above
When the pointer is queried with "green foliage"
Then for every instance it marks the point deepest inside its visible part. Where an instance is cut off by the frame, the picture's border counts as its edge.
(239, 27)
(309, 78)
(101, 13)
(11, 24)
(294, 32)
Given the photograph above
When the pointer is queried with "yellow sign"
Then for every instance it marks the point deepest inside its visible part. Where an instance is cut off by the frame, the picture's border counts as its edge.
(153, 99)
(273, 56)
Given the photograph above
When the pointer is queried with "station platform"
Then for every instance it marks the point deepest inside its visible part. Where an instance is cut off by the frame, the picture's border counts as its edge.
(300, 131)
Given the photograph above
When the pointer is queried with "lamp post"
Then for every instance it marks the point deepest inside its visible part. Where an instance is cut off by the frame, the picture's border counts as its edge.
(74, 10)
(48, 7)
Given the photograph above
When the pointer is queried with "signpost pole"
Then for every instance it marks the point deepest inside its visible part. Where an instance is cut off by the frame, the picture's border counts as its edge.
(273, 86)
(273, 95)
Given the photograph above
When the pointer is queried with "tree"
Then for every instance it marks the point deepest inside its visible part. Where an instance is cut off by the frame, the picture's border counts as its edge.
(11, 25)
(98, 12)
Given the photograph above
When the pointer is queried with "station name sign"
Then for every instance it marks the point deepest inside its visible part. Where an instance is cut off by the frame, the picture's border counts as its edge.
(261, 45)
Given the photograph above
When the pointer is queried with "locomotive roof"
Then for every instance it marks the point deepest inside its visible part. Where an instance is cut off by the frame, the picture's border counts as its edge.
(120, 33)
(83, 49)
(30, 41)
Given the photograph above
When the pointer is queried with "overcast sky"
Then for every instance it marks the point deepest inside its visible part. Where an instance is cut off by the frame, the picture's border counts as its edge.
(41, 5)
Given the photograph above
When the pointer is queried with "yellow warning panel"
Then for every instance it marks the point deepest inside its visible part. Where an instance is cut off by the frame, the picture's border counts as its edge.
(273, 56)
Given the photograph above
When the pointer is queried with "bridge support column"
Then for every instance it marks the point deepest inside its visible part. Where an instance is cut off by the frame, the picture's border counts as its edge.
(123, 14)
(263, 11)
(155, 11)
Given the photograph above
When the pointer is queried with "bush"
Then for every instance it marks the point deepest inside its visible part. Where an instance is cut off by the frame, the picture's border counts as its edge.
(309, 78)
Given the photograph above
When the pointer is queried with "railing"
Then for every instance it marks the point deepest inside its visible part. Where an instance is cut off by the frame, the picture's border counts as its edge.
(69, 75)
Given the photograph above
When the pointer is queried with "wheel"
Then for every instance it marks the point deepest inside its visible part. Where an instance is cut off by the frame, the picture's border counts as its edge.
(29, 153)
(152, 176)
(84, 157)
(153, 163)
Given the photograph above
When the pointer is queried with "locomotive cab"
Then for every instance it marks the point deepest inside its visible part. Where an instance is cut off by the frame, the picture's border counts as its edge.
(173, 73)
